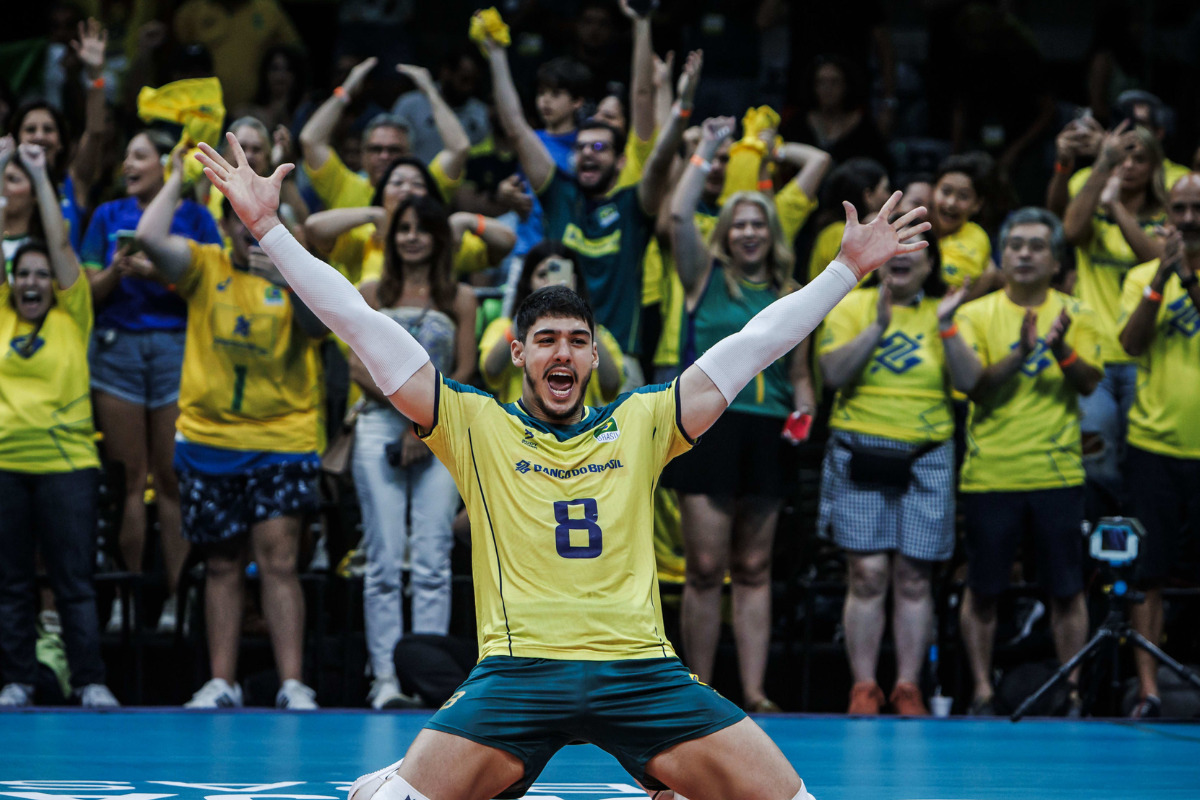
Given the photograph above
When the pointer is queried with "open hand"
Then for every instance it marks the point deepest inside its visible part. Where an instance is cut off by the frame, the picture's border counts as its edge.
(1111, 193)
(511, 194)
(281, 147)
(358, 74)
(1056, 337)
(419, 76)
(689, 79)
(33, 157)
(1114, 145)
(950, 303)
(663, 67)
(8, 148)
(90, 46)
(629, 13)
(1027, 337)
(867, 247)
(254, 198)
(716, 130)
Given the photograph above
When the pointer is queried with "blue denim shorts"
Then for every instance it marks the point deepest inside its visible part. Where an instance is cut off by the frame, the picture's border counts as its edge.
(140, 367)
(632, 709)
(221, 508)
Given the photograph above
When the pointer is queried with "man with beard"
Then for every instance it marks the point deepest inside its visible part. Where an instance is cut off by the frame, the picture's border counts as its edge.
(1160, 300)
(608, 225)
(569, 617)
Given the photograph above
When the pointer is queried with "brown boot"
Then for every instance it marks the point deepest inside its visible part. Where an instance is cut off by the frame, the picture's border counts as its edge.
(865, 698)
(906, 700)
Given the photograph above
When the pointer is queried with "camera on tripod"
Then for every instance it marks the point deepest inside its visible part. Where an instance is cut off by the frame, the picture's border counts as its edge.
(1114, 540)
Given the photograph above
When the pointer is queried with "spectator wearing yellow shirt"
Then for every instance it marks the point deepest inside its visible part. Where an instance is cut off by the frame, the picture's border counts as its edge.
(1111, 222)
(384, 140)
(958, 195)
(1160, 307)
(887, 483)
(549, 263)
(238, 33)
(48, 460)
(1024, 355)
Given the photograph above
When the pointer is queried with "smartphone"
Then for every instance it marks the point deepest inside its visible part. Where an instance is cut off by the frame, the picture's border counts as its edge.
(560, 271)
(797, 427)
(127, 238)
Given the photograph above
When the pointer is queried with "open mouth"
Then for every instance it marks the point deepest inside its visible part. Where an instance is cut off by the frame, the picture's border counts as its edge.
(560, 382)
(900, 270)
(589, 170)
(29, 300)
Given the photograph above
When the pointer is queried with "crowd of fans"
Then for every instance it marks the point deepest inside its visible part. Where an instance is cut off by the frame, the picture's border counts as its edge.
(1033, 368)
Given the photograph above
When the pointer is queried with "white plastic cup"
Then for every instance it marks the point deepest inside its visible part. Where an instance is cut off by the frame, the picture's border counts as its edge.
(940, 705)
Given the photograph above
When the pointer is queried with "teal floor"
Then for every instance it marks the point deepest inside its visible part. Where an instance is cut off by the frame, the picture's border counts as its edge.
(169, 755)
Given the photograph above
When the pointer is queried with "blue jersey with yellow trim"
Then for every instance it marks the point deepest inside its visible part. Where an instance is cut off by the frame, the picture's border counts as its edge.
(562, 521)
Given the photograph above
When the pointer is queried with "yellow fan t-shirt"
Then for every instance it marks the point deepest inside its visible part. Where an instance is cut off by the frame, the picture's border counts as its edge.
(1025, 434)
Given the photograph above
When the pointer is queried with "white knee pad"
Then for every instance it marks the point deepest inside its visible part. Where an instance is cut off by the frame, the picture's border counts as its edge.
(396, 788)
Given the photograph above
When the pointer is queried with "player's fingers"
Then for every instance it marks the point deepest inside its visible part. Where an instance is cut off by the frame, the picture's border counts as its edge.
(210, 157)
(280, 173)
(909, 218)
(912, 247)
(851, 212)
(891, 203)
(913, 230)
(235, 147)
(216, 179)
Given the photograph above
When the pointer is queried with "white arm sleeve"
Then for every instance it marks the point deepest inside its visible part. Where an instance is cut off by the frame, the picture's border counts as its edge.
(734, 361)
(388, 351)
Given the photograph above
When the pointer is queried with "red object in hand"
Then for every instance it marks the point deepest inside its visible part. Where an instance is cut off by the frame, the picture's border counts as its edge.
(797, 427)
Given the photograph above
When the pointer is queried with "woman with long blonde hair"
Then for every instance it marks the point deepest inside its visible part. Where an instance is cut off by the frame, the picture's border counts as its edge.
(729, 513)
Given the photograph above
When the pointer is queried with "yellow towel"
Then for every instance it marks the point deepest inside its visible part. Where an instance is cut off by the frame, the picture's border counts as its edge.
(485, 23)
(198, 105)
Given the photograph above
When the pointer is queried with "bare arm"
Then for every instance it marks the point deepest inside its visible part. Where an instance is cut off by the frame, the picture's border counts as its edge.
(455, 144)
(171, 254)
(1081, 137)
(691, 256)
(324, 227)
(1080, 375)
(1144, 246)
(812, 162)
(93, 38)
(63, 261)
(653, 185)
(465, 306)
(1138, 333)
(842, 366)
(499, 238)
(641, 85)
(1077, 222)
(804, 393)
(531, 152)
(317, 132)
(709, 385)
(664, 95)
(498, 359)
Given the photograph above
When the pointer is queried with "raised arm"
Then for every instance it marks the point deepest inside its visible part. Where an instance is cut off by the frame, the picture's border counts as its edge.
(531, 152)
(707, 387)
(169, 252)
(653, 185)
(962, 363)
(89, 47)
(1138, 333)
(664, 94)
(842, 366)
(812, 163)
(456, 146)
(641, 84)
(687, 245)
(1077, 222)
(317, 132)
(1081, 137)
(1144, 246)
(63, 261)
(497, 237)
(398, 364)
(324, 227)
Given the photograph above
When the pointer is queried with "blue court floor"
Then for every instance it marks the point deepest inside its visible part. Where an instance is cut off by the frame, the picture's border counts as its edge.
(259, 755)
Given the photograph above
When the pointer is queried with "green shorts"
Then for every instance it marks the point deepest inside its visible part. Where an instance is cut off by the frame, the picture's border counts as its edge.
(632, 709)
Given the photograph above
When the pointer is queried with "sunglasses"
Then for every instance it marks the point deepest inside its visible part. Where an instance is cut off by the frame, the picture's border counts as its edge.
(595, 147)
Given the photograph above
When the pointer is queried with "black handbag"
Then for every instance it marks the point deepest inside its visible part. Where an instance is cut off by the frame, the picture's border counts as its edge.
(882, 468)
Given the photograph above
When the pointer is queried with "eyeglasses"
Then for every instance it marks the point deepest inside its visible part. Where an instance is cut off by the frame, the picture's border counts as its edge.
(380, 149)
(595, 147)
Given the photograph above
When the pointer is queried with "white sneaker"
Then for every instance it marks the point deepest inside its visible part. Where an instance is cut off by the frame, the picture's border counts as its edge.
(167, 619)
(295, 696)
(117, 617)
(16, 695)
(217, 693)
(97, 695)
(365, 787)
(385, 693)
(50, 622)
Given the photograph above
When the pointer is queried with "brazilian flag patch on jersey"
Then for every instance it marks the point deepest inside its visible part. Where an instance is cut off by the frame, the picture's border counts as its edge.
(608, 432)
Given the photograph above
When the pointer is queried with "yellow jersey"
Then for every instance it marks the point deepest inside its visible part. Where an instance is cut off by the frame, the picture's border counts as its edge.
(1025, 435)
(1165, 417)
(508, 386)
(637, 153)
(338, 187)
(358, 255)
(251, 379)
(659, 270)
(903, 391)
(825, 248)
(45, 400)
(965, 254)
(562, 520)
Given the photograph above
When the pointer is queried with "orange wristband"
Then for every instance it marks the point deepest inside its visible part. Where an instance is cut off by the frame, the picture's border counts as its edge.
(509, 335)
(341, 94)
(480, 224)
(949, 333)
(1069, 360)
(766, 185)
(700, 162)
(684, 113)
(1061, 168)
(1152, 296)
(98, 83)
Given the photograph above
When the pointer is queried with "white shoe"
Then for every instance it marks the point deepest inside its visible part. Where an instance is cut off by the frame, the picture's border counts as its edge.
(97, 695)
(167, 620)
(365, 787)
(217, 693)
(50, 622)
(16, 695)
(295, 696)
(385, 693)
(117, 617)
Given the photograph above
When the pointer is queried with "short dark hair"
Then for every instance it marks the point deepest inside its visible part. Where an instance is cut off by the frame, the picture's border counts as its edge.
(566, 74)
(976, 165)
(539, 253)
(593, 124)
(431, 186)
(850, 180)
(557, 302)
(29, 246)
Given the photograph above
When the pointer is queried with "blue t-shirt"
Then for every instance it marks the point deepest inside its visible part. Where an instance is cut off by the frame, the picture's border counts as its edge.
(532, 230)
(72, 213)
(137, 304)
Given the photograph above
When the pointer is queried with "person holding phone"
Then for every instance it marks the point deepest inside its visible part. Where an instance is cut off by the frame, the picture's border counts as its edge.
(549, 263)
(729, 514)
(887, 482)
(137, 357)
